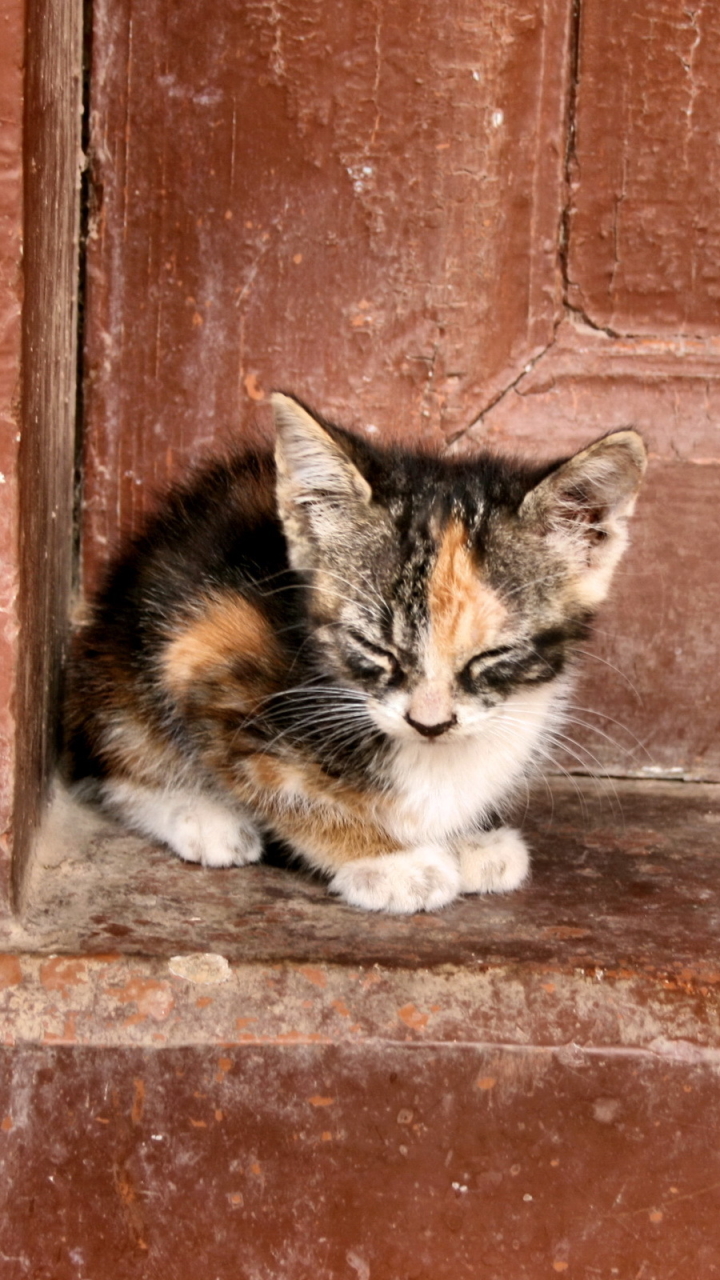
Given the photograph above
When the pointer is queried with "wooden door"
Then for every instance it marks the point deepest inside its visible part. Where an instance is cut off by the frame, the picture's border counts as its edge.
(464, 224)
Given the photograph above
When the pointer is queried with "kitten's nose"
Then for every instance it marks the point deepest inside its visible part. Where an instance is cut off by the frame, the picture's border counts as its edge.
(431, 730)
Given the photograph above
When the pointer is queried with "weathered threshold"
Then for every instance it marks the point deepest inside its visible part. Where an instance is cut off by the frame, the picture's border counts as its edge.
(614, 946)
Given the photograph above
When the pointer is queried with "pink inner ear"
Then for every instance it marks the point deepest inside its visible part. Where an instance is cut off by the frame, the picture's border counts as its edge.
(577, 506)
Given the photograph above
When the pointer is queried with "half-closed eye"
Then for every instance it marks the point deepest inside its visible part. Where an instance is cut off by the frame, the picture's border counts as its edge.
(488, 657)
(372, 655)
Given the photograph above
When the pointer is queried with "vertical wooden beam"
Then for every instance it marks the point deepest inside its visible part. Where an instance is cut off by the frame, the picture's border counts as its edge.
(53, 166)
(11, 97)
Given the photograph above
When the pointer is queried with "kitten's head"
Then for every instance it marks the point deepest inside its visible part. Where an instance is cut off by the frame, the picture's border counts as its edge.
(442, 589)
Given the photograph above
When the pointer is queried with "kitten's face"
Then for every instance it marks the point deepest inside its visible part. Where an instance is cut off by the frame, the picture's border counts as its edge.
(444, 594)
(440, 642)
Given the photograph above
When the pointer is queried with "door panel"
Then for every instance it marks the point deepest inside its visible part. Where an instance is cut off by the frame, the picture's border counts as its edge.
(358, 202)
(645, 239)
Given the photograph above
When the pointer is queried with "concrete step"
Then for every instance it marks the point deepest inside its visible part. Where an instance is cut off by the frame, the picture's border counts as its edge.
(228, 1072)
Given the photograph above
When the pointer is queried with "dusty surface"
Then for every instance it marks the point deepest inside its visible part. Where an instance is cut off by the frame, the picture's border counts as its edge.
(625, 876)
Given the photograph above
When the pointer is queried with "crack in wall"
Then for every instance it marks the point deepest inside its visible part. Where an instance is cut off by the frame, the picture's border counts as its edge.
(571, 163)
(571, 170)
(505, 391)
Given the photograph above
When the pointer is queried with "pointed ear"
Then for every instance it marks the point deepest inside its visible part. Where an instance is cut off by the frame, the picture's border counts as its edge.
(583, 507)
(309, 459)
(318, 485)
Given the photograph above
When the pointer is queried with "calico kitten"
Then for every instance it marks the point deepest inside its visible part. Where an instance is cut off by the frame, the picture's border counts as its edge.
(358, 651)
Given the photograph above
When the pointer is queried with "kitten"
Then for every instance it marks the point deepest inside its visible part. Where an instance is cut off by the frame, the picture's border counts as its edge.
(358, 651)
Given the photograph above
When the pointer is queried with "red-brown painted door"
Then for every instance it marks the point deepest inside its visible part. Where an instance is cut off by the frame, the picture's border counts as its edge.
(461, 223)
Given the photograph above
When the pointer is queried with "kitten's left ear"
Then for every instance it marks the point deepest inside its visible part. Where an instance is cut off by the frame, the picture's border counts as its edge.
(583, 507)
(318, 484)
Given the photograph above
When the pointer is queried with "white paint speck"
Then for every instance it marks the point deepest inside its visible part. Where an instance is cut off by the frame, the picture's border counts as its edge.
(2, 478)
(459, 1186)
(359, 175)
(359, 1265)
(476, 75)
(497, 118)
(527, 1197)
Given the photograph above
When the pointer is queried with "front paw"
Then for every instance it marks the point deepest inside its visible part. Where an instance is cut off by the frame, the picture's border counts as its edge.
(493, 861)
(214, 836)
(416, 880)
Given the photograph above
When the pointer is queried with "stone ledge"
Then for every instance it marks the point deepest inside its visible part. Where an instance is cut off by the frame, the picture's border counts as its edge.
(130, 1002)
(612, 946)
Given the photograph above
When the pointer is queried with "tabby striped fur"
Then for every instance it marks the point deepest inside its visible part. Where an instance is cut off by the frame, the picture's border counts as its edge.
(357, 651)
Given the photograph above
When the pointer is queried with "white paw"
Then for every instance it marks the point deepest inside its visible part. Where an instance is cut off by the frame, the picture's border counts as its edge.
(417, 880)
(197, 828)
(493, 861)
(214, 836)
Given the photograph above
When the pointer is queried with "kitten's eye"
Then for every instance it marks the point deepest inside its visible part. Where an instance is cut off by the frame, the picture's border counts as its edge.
(488, 656)
(488, 660)
(495, 653)
(371, 657)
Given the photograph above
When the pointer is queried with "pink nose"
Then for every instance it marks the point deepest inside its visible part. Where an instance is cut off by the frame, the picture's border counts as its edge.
(431, 706)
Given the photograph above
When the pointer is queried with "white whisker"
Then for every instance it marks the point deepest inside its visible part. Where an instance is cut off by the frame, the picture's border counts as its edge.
(587, 653)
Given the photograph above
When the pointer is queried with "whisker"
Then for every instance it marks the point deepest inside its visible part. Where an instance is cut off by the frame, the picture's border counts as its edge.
(587, 653)
(568, 718)
(534, 770)
(562, 741)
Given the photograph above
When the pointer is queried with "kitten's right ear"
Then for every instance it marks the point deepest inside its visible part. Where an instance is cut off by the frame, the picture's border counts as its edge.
(318, 485)
(583, 506)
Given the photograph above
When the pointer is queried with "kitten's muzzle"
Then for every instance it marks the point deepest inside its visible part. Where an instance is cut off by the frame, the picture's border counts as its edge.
(432, 730)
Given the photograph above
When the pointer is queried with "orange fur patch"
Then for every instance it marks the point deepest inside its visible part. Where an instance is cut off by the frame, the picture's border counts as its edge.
(327, 820)
(309, 783)
(465, 615)
(229, 629)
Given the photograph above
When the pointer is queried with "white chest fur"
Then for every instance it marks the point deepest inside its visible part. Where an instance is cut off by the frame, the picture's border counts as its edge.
(444, 787)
